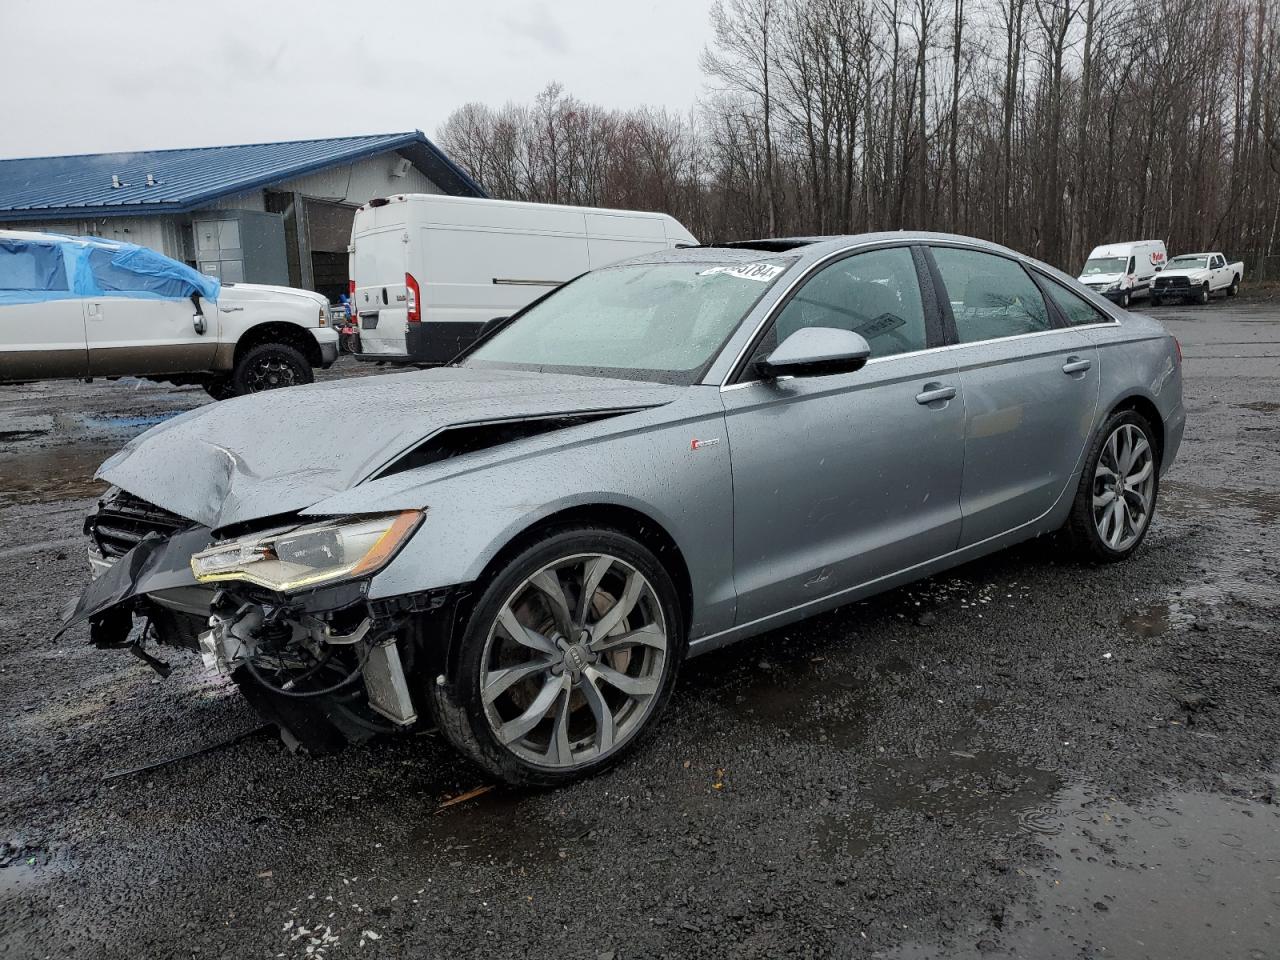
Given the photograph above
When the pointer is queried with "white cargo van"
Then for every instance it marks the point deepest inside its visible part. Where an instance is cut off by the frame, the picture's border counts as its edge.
(429, 271)
(1122, 272)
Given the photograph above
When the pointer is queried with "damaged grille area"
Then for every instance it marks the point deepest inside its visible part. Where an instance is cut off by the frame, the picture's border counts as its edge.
(122, 520)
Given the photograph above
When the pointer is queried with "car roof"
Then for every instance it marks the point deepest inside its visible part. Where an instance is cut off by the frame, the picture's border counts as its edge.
(814, 247)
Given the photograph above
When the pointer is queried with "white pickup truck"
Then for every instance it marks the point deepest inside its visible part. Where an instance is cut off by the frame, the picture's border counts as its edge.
(1197, 276)
(82, 307)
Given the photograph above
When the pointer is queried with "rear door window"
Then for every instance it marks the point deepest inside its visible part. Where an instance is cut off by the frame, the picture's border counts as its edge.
(1075, 308)
(991, 297)
(26, 266)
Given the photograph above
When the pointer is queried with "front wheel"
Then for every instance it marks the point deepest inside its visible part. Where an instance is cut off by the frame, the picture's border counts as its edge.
(1203, 295)
(1156, 301)
(567, 660)
(1125, 299)
(1117, 493)
(269, 366)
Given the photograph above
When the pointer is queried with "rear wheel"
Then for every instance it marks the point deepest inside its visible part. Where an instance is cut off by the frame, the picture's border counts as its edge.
(567, 661)
(1235, 286)
(269, 366)
(1117, 493)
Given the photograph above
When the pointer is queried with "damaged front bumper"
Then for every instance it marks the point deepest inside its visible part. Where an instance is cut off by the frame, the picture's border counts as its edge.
(326, 664)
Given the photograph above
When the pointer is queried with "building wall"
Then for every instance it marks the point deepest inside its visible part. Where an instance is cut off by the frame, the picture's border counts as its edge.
(359, 182)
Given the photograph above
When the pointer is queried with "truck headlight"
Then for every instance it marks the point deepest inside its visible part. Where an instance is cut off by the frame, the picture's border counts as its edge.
(1113, 286)
(303, 556)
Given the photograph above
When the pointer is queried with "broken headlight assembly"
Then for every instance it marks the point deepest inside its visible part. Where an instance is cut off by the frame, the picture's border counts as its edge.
(286, 560)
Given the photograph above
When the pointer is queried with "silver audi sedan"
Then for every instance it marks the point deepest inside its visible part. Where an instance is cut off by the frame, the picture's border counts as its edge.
(656, 459)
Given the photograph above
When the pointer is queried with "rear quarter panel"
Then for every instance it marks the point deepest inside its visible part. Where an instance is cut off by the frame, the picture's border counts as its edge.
(1138, 358)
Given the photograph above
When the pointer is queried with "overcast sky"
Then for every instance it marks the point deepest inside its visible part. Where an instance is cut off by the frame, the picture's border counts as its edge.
(93, 77)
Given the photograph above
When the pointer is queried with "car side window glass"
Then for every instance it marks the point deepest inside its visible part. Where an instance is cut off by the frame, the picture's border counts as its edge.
(991, 297)
(876, 294)
(1074, 307)
(1133, 264)
(26, 266)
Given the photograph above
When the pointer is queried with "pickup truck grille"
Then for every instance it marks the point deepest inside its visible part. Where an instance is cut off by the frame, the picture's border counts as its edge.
(1169, 283)
(123, 519)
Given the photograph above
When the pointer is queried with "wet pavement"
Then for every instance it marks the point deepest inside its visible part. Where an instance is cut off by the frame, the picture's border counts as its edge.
(1024, 757)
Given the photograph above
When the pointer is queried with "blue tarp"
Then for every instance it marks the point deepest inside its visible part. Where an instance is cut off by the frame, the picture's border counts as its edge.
(62, 268)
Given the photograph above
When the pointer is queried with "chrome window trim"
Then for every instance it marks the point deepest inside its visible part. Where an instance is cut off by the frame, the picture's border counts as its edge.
(1024, 261)
(944, 347)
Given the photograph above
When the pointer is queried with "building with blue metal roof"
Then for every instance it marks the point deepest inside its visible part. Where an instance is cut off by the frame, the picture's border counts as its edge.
(259, 212)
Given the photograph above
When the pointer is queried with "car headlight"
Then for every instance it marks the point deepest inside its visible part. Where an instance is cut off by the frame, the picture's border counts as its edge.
(303, 556)
(1113, 286)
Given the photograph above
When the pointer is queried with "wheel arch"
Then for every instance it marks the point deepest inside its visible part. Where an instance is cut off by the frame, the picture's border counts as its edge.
(278, 331)
(621, 518)
(1147, 409)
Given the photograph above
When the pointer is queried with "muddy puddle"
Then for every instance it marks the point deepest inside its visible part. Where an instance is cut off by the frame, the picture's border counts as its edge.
(1184, 498)
(50, 457)
(501, 827)
(991, 792)
(1184, 875)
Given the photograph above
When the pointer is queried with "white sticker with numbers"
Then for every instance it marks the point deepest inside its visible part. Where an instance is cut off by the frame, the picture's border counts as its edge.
(760, 272)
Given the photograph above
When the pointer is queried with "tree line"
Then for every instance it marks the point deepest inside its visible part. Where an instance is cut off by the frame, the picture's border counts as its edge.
(1047, 125)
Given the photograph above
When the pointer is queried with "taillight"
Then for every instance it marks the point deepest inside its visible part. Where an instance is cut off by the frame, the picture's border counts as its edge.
(413, 303)
(1178, 347)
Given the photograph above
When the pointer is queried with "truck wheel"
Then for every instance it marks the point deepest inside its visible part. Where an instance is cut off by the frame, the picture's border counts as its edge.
(219, 388)
(269, 366)
(1125, 298)
(1203, 296)
(1235, 286)
(1156, 301)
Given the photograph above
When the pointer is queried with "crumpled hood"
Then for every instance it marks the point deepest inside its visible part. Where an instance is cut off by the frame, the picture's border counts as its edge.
(284, 450)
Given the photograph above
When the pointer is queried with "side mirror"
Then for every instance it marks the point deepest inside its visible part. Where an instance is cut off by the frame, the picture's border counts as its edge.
(1158, 268)
(816, 352)
(197, 321)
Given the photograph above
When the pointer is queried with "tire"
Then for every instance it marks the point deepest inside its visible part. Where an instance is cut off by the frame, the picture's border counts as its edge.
(1235, 286)
(509, 700)
(219, 388)
(1156, 301)
(1125, 299)
(269, 366)
(1094, 529)
(1203, 295)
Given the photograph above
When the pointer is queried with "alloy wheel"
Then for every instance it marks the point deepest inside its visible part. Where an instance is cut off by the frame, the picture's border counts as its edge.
(269, 373)
(574, 661)
(1123, 483)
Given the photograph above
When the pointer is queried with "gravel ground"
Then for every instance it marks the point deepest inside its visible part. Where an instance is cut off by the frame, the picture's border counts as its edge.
(1024, 757)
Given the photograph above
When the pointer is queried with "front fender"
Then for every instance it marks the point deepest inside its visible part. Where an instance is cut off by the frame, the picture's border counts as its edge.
(651, 468)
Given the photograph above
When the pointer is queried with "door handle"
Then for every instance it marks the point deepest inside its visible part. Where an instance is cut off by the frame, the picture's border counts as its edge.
(1076, 365)
(934, 392)
(231, 309)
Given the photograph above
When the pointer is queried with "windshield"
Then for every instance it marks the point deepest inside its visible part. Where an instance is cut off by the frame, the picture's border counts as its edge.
(1189, 263)
(1097, 265)
(648, 321)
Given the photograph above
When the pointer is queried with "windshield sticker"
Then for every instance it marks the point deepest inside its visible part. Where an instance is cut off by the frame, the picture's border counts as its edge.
(761, 272)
